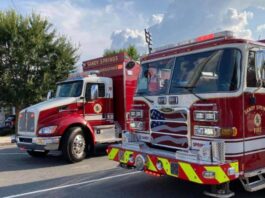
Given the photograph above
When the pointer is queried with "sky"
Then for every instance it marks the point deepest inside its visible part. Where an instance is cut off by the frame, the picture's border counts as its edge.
(96, 25)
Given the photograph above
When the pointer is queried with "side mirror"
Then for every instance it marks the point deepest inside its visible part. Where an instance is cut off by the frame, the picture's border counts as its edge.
(49, 94)
(93, 95)
(260, 65)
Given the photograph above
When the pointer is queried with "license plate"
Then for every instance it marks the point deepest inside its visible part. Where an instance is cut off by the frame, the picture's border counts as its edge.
(144, 137)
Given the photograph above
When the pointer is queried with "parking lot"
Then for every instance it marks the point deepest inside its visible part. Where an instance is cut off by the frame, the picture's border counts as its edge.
(24, 176)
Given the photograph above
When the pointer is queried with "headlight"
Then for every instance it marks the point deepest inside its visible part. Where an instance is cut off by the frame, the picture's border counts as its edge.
(138, 125)
(198, 116)
(47, 130)
(206, 116)
(207, 131)
(136, 114)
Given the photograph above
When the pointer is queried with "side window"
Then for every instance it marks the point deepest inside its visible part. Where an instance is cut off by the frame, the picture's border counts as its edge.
(88, 90)
(251, 74)
(101, 90)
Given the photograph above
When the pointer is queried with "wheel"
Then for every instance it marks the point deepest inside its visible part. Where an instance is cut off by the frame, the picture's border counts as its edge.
(38, 153)
(74, 145)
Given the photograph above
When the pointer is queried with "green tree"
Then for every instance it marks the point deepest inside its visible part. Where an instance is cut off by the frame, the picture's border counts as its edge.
(131, 51)
(33, 58)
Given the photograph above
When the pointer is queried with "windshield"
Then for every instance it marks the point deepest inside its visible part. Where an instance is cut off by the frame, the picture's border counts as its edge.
(204, 72)
(69, 89)
(154, 78)
(213, 71)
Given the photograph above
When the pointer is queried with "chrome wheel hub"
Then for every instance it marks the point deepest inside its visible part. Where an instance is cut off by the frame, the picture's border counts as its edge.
(78, 147)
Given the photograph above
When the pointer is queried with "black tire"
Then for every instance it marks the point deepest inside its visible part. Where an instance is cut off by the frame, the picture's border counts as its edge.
(38, 153)
(74, 145)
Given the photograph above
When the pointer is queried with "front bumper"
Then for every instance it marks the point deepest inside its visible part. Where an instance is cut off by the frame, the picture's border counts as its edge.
(160, 162)
(38, 143)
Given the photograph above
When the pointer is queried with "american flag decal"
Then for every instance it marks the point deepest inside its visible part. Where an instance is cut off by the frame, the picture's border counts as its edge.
(180, 115)
(169, 129)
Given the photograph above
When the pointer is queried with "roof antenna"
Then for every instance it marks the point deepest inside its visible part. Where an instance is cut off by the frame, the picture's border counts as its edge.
(148, 39)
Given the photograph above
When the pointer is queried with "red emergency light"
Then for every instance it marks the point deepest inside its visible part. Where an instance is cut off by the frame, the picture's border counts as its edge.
(200, 39)
(205, 37)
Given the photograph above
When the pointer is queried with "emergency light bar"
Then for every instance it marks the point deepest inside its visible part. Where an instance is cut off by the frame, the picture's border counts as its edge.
(203, 38)
(93, 72)
(84, 74)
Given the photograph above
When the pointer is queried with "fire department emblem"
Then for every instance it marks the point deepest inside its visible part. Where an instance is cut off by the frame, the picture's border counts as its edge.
(97, 108)
(257, 120)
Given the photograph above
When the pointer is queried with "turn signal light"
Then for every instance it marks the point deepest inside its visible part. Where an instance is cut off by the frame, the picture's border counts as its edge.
(228, 132)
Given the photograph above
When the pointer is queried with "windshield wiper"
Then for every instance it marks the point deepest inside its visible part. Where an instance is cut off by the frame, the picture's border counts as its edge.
(190, 89)
(141, 93)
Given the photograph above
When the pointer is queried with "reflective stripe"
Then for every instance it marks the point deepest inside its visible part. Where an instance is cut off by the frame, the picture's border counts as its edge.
(235, 165)
(126, 156)
(190, 173)
(150, 165)
(113, 153)
(220, 175)
(166, 166)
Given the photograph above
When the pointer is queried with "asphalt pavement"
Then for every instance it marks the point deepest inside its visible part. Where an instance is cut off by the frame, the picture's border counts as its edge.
(24, 176)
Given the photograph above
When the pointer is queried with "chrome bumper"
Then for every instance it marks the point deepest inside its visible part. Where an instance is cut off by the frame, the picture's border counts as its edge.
(38, 143)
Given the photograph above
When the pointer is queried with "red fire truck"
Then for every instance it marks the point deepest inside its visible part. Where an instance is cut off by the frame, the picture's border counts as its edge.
(88, 108)
(198, 114)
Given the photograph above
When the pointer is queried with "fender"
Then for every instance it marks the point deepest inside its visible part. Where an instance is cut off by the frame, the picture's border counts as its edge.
(76, 119)
(90, 128)
(63, 122)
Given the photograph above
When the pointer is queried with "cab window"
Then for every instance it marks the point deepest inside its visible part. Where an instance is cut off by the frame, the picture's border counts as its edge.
(251, 73)
(101, 89)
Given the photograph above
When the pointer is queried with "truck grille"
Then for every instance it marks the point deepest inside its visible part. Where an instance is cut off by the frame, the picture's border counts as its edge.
(170, 129)
(26, 122)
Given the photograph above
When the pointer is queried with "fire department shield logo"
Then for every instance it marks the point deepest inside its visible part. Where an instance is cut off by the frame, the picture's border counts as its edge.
(257, 120)
(97, 108)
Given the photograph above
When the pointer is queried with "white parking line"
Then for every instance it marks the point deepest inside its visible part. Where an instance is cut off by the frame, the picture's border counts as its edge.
(71, 185)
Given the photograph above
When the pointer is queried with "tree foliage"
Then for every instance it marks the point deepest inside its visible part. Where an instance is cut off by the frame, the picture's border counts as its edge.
(131, 51)
(33, 58)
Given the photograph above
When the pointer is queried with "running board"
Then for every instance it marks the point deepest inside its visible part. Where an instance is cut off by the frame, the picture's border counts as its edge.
(254, 180)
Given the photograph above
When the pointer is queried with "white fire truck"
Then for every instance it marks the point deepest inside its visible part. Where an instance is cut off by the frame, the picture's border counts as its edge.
(199, 114)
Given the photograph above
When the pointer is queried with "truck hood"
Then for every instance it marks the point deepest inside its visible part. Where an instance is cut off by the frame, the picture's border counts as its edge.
(52, 103)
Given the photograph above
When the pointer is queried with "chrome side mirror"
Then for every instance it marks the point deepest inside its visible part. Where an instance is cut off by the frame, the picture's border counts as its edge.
(260, 65)
(49, 95)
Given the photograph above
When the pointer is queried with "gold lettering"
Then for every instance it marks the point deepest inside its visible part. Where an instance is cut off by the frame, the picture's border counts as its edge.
(249, 109)
(257, 130)
(102, 61)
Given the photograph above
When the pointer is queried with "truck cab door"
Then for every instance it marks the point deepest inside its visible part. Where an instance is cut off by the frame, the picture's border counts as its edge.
(99, 112)
(254, 118)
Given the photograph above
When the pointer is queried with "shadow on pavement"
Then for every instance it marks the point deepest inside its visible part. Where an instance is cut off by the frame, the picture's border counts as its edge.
(129, 186)
(13, 159)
